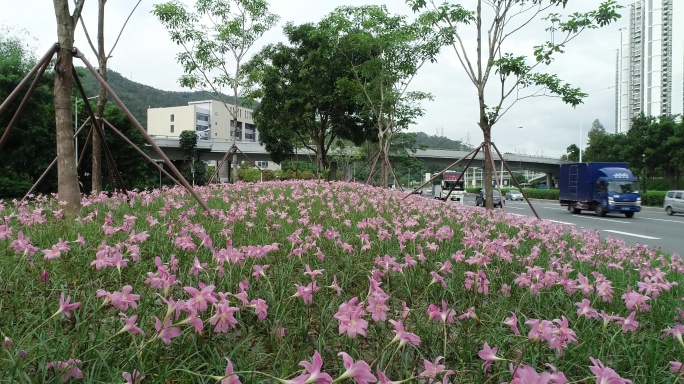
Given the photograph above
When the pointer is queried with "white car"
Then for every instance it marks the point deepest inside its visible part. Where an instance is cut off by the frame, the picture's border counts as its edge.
(514, 195)
(674, 202)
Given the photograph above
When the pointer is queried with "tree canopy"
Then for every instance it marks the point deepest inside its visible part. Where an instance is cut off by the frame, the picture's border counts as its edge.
(653, 147)
(301, 101)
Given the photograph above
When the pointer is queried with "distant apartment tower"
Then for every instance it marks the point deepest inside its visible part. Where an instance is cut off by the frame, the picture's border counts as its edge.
(209, 119)
(650, 62)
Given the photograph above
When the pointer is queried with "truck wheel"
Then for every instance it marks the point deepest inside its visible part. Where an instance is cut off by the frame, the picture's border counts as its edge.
(574, 209)
(669, 211)
(599, 210)
(629, 215)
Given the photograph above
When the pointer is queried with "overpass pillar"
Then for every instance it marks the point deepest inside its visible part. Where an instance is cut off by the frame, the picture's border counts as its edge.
(549, 180)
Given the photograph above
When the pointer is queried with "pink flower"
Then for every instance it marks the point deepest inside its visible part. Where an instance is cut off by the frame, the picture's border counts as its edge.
(335, 286)
(445, 315)
(193, 320)
(488, 355)
(405, 310)
(512, 322)
(65, 307)
(313, 372)
(134, 377)
(606, 375)
(229, 377)
(165, 332)
(53, 253)
(197, 267)
(377, 307)
(259, 271)
(129, 325)
(306, 292)
(121, 300)
(359, 371)
(67, 368)
(676, 367)
(436, 278)
(260, 308)
(314, 273)
(352, 323)
(525, 374)
(201, 299)
(583, 309)
(402, 336)
(432, 369)
(223, 318)
(628, 323)
(676, 332)
(382, 377)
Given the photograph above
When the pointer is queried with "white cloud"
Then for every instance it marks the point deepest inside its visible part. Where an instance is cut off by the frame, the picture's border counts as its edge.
(144, 54)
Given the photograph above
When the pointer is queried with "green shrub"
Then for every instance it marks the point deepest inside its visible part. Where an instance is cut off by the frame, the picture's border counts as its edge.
(653, 198)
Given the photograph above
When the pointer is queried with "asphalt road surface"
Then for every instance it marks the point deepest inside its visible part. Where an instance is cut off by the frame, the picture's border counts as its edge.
(652, 226)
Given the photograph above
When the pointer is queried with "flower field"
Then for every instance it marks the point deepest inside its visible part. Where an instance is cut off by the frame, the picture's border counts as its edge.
(314, 282)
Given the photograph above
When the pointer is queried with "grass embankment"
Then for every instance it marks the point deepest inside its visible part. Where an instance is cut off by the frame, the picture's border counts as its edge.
(279, 273)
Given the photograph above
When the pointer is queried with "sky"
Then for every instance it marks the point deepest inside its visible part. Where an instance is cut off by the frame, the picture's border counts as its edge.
(540, 126)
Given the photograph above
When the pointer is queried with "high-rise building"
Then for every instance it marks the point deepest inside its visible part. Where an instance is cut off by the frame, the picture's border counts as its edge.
(650, 62)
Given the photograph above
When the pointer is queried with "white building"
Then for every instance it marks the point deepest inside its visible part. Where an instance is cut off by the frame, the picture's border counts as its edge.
(650, 62)
(209, 119)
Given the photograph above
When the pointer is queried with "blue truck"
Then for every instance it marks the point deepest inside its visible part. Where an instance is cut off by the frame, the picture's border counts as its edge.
(599, 187)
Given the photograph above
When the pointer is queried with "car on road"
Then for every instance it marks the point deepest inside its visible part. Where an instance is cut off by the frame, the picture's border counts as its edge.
(496, 199)
(514, 195)
(674, 202)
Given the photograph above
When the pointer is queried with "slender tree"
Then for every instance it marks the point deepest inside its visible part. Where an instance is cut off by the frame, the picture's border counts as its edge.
(218, 34)
(394, 50)
(502, 78)
(102, 58)
(67, 184)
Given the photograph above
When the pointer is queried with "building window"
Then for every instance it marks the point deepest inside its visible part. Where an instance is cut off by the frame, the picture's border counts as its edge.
(172, 118)
(250, 132)
(171, 128)
(239, 130)
(262, 164)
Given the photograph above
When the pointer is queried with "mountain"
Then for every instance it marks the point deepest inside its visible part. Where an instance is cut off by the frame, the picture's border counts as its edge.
(139, 97)
(440, 142)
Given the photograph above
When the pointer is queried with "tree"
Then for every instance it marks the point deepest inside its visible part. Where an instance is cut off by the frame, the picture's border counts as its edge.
(300, 100)
(516, 76)
(573, 152)
(30, 146)
(233, 28)
(67, 184)
(393, 51)
(596, 130)
(102, 58)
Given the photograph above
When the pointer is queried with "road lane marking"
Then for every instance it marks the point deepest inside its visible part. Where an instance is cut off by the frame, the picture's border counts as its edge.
(665, 220)
(562, 222)
(602, 219)
(632, 234)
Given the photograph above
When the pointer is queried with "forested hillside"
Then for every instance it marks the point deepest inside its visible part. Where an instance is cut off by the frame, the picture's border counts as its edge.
(138, 97)
(440, 142)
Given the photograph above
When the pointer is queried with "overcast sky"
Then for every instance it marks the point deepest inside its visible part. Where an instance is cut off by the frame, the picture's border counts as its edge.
(145, 55)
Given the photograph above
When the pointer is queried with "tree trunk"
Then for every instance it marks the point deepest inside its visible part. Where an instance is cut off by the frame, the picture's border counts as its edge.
(67, 183)
(234, 164)
(101, 101)
(488, 174)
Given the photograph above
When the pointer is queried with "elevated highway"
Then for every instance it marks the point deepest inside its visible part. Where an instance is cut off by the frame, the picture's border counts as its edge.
(215, 150)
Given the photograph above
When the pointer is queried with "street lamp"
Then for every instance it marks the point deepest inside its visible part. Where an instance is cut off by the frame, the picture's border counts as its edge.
(161, 164)
(76, 124)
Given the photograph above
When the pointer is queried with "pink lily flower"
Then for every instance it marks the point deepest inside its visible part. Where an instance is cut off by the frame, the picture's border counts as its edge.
(313, 372)
(359, 371)
(65, 307)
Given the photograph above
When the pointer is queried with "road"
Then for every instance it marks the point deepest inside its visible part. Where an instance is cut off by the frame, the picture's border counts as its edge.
(651, 226)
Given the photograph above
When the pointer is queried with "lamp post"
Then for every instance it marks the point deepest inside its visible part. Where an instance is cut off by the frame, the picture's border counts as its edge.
(76, 124)
(162, 166)
(580, 137)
